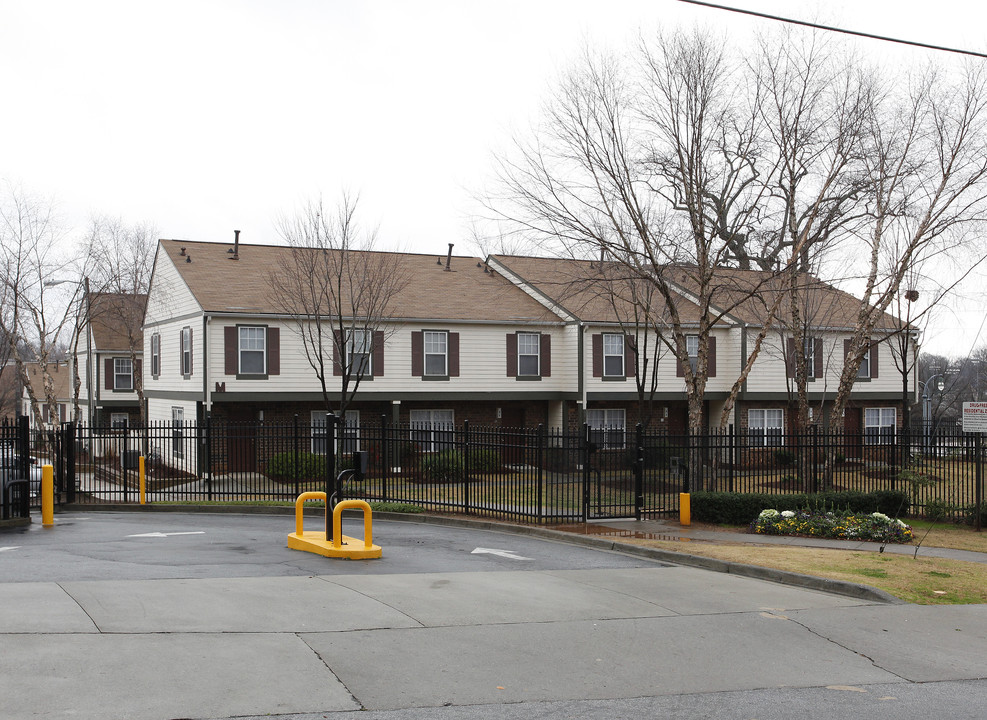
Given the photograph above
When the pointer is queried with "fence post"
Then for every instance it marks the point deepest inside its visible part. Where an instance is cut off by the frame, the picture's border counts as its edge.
(638, 471)
(688, 460)
(330, 471)
(466, 466)
(24, 451)
(68, 443)
(540, 477)
(584, 456)
(295, 449)
(815, 458)
(124, 447)
(386, 455)
(732, 429)
(207, 450)
(979, 491)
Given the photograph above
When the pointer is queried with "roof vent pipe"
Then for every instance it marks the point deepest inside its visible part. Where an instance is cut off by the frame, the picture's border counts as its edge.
(236, 244)
(449, 258)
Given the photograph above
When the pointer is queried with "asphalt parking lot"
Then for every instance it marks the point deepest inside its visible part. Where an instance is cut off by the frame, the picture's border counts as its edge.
(173, 615)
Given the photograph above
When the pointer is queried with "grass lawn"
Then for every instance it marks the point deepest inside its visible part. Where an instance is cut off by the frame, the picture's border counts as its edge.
(923, 580)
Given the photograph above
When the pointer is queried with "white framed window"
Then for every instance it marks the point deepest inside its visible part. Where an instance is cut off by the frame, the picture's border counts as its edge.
(156, 354)
(864, 370)
(692, 346)
(358, 352)
(436, 345)
(186, 351)
(123, 374)
(118, 421)
(349, 431)
(880, 425)
(432, 430)
(607, 427)
(809, 346)
(528, 354)
(252, 350)
(765, 427)
(178, 431)
(613, 355)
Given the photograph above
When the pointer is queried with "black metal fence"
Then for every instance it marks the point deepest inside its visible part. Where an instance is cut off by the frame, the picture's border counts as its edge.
(526, 474)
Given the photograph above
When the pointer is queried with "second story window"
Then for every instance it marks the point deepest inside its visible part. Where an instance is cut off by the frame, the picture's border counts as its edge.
(123, 374)
(436, 346)
(809, 346)
(186, 352)
(358, 352)
(155, 354)
(528, 345)
(252, 350)
(613, 355)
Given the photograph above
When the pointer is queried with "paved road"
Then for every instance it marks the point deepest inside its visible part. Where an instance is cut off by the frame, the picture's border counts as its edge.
(163, 616)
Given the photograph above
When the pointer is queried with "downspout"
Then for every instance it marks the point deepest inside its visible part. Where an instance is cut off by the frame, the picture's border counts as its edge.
(580, 364)
(206, 395)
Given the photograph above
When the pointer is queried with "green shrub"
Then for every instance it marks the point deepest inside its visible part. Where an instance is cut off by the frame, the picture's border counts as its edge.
(303, 466)
(784, 457)
(443, 467)
(741, 508)
(971, 514)
(484, 460)
(938, 509)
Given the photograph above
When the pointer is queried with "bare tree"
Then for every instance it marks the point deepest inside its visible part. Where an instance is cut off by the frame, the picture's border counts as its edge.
(337, 295)
(116, 267)
(33, 316)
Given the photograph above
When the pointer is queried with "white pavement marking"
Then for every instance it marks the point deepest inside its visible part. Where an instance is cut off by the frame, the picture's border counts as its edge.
(10, 547)
(161, 534)
(501, 553)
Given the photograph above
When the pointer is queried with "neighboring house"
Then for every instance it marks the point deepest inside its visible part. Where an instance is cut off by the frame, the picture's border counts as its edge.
(61, 377)
(110, 359)
(509, 341)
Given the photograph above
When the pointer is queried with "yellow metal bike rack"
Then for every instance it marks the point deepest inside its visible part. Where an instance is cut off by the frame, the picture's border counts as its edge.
(341, 546)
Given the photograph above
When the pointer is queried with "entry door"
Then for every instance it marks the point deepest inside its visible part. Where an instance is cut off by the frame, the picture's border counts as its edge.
(242, 440)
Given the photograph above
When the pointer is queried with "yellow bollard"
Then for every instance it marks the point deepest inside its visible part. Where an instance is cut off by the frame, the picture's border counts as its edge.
(47, 496)
(685, 509)
(142, 481)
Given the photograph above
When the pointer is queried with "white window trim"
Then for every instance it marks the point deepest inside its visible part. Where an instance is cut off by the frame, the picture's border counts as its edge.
(536, 354)
(186, 351)
(425, 432)
(883, 413)
(178, 431)
(240, 350)
(426, 353)
(623, 349)
(156, 354)
(764, 438)
(368, 344)
(348, 432)
(608, 421)
(809, 346)
(118, 374)
(116, 418)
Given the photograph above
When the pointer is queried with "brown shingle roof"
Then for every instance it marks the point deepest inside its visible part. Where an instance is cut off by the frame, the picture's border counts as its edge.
(221, 284)
(116, 320)
(61, 377)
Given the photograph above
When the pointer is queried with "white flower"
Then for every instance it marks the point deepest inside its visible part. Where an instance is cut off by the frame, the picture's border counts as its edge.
(768, 514)
(901, 524)
(881, 516)
(787, 514)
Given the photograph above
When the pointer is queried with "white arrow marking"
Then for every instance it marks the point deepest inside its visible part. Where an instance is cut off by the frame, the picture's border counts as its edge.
(11, 547)
(161, 534)
(501, 553)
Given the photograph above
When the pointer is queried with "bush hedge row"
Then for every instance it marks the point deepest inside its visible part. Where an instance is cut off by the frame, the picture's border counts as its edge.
(741, 508)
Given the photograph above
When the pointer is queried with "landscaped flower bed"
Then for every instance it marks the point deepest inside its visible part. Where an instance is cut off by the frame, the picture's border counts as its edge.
(876, 526)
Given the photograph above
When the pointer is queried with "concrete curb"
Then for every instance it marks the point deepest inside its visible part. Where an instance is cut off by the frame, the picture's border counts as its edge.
(784, 577)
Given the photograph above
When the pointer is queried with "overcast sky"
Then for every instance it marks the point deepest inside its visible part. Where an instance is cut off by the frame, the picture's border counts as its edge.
(208, 116)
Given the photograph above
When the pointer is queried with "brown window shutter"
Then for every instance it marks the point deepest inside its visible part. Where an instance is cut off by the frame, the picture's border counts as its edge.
(377, 348)
(790, 357)
(453, 354)
(546, 355)
(337, 352)
(181, 354)
(230, 349)
(711, 358)
(511, 354)
(61, 412)
(417, 353)
(598, 355)
(273, 351)
(873, 360)
(191, 350)
(108, 373)
(817, 365)
(630, 357)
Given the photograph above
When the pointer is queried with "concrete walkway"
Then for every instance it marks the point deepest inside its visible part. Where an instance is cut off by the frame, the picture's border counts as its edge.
(157, 616)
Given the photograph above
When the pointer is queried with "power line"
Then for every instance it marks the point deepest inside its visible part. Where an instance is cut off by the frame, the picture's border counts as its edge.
(833, 29)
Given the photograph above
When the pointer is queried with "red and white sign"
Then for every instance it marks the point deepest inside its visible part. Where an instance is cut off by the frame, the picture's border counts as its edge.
(975, 417)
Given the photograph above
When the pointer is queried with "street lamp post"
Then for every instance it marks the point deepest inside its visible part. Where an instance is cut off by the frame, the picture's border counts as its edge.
(927, 409)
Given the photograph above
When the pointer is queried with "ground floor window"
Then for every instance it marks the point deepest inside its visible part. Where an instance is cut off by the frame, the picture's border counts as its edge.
(606, 428)
(349, 432)
(118, 421)
(879, 425)
(178, 431)
(765, 428)
(432, 430)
